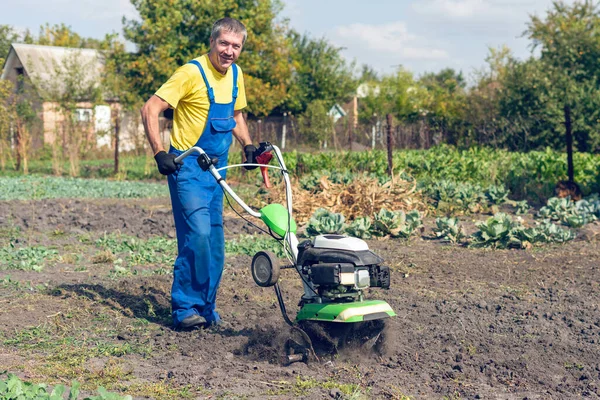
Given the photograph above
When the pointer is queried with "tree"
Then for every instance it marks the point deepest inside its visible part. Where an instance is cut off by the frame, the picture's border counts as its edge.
(69, 85)
(7, 37)
(315, 125)
(444, 102)
(319, 73)
(170, 33)
(117, 90)
(569, 42)
(7, 117)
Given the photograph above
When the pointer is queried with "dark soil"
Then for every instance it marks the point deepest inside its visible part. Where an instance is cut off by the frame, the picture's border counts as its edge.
(488, 324)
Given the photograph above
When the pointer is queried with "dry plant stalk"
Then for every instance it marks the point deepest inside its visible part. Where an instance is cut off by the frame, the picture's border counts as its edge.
(363, 197)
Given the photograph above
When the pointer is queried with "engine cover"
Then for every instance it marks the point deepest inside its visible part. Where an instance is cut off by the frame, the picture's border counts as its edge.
(359, 256)
(340, 242)
(333, 260)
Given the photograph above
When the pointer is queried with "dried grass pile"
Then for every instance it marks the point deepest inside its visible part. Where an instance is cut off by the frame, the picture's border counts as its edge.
(365, 196)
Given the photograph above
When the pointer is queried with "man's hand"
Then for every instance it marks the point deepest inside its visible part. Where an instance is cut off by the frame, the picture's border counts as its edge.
(250, 153)
(166, 162)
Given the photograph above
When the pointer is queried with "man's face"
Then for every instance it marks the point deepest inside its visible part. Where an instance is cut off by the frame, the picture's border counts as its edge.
(225, 50)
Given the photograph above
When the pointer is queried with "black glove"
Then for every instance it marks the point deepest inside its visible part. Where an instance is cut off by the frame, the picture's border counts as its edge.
(250, 153)
(166, 162)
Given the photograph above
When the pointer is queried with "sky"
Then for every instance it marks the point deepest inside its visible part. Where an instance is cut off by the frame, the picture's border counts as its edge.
(419, 35)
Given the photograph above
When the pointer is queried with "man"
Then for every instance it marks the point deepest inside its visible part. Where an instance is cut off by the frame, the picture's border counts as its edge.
(207, 96)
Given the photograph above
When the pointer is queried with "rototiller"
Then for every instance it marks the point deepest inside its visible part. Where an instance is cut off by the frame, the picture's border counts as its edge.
(335, 271)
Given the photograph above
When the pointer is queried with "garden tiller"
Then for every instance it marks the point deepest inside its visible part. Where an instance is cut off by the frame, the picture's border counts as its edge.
(335, 270)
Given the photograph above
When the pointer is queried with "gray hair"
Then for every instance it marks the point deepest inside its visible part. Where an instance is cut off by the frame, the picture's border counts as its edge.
(228, 25)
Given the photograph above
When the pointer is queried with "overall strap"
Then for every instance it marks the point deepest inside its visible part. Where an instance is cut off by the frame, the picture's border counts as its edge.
(235, 86)
(211, 93)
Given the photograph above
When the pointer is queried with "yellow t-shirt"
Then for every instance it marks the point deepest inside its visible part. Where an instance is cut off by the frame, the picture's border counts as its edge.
(186, 92)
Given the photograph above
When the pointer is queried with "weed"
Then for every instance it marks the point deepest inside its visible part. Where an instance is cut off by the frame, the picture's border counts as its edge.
(164, 389)
(251, 244)
(153, 251)
(302, 386)
(103, 257)
(25, 258)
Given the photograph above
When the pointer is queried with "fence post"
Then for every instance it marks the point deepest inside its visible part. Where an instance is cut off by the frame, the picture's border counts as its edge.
(117, 139)
(390, 145)
(283, 131)
(258, 129)
(350, 128)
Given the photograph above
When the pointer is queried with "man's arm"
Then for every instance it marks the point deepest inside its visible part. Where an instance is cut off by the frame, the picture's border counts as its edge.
(150, 112)
(241, 129)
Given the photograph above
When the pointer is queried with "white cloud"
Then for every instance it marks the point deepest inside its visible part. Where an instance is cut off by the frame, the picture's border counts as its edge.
(453, 8)
(392, 39)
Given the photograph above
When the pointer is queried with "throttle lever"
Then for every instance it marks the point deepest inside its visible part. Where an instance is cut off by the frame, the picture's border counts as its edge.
(265, 158)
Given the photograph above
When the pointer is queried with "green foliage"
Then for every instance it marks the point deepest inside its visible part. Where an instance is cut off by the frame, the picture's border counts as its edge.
(251, 244)
(48, 187)
(169, 33)
(324, 222)
(25, 258)
(547, 232)
(320, 74)
(573, 214)
(501, 232)
(450, 196)
(14, 388)
(397, 223)
(397, 94)
(153, 251)
(497, 194)
(496, 232)
(522, 207)
(444, 102)
(448, 229)
(7, 36)
(63, 36)
(361, 228)
(315, 125)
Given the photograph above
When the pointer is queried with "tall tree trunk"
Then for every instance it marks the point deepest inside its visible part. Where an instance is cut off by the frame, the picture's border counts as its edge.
(569, 137)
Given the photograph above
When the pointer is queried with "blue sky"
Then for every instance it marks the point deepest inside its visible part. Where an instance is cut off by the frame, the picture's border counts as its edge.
(421, 35)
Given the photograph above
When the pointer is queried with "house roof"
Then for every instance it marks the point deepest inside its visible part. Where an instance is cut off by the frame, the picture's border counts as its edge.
(42, 63)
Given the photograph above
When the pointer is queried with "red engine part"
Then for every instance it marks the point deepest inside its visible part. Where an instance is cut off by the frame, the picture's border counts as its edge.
(265, 158)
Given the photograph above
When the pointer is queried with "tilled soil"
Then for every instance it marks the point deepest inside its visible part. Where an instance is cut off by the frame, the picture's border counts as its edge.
(489, 324)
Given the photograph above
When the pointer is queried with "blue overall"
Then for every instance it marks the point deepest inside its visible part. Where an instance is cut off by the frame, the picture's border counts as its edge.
(197, 202)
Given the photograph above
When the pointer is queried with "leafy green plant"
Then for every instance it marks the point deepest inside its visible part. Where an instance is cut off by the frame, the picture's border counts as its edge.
(522, 207)
(13, 388)
(155, 250)
(573, 214)
(495, 232)
(397, 223)
(496, 194)
(448, 229)
(360, 228)
(323, 222)
(251, 244)
(448, 195)
(501, 232)
(25, 258)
